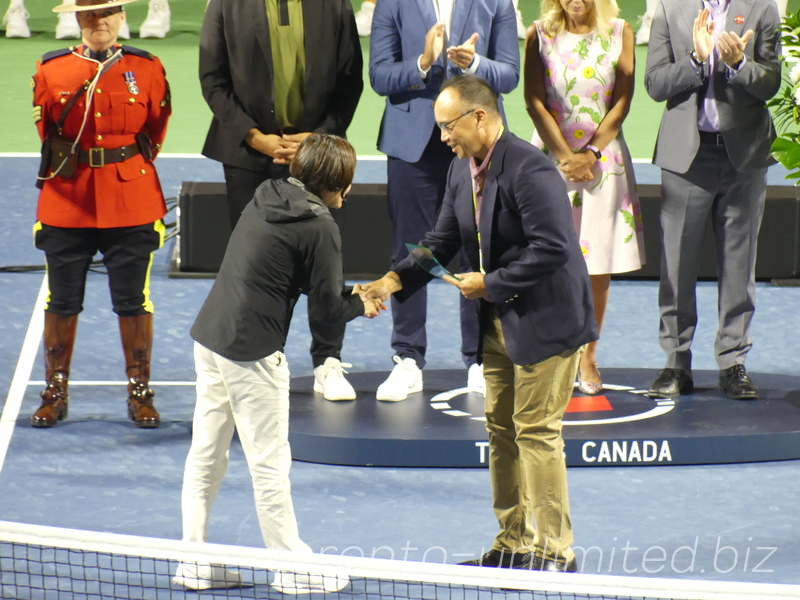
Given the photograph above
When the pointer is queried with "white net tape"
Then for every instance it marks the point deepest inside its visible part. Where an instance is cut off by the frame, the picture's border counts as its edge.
(47, 562)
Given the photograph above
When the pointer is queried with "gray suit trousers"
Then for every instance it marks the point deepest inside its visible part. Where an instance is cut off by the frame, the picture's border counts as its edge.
(734, 201)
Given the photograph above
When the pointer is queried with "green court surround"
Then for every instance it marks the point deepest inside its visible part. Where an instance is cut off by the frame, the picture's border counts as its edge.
(178, 52)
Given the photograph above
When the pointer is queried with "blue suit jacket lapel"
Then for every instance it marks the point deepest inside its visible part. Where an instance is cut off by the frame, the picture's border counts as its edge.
(428, 14)
(458, 22)
(458, 31)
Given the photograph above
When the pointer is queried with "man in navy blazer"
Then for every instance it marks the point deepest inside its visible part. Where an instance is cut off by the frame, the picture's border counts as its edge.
(507, 207)
(416, 45)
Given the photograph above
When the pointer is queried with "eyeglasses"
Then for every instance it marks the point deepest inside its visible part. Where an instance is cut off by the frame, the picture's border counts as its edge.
(448, 127)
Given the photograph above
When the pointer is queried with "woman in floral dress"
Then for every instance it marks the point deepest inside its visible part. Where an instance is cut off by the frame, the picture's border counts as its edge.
(579, 61)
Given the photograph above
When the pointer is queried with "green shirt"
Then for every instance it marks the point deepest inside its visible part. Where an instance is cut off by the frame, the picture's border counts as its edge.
(286, 31)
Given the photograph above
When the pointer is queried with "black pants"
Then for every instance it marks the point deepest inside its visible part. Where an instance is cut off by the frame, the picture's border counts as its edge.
(127, 254)
(241, 184)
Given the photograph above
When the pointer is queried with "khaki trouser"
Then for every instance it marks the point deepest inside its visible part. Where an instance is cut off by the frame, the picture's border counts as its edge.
(524, 407)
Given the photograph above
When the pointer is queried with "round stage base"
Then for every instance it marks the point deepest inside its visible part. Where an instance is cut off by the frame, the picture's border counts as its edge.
(443, 426)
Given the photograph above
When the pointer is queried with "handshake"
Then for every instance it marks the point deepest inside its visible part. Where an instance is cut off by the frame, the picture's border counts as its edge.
(375, 293)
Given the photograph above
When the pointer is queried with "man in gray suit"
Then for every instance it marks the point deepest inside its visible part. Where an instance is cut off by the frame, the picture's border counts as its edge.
(715, 69)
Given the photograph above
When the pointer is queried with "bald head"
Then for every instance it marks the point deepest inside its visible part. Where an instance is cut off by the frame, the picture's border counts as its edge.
(473, 92)
(468, 117)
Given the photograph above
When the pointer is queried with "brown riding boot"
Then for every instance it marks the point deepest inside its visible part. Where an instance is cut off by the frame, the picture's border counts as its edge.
(59, 340)
(137, 340)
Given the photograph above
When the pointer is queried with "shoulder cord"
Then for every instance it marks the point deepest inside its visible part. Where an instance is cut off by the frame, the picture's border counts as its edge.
(89, 87)
(101, 68)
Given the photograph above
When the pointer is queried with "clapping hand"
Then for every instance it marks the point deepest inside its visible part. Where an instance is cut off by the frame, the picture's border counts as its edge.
(463, 55)
(434, 43)
(703, 35)
(731, 47)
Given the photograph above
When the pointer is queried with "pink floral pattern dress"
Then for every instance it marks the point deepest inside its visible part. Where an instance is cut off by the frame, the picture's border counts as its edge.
(580, 70)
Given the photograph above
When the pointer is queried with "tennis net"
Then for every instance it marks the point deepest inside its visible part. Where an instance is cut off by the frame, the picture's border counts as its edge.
(44, 563)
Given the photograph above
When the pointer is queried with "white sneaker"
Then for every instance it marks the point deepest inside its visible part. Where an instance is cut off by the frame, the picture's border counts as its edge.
(475, 381)
(124, 31)
(288, 582)
(643, 34)
(67, 26)
(205, 577)
(16, 22)
(330, 382)
(156, 24)
(364, 18)
(521, 29)
(405, 379)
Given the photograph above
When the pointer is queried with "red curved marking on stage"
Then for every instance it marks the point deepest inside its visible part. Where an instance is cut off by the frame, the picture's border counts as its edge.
(588, 404)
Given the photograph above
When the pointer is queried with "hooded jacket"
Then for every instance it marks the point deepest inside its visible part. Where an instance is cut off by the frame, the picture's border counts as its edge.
(285, 243)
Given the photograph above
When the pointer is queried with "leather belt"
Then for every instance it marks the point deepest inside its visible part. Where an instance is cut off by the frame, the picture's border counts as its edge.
(712, 138)
(99, 157)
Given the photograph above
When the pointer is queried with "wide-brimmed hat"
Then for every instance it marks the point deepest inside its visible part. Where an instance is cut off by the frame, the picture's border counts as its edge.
(79, 5)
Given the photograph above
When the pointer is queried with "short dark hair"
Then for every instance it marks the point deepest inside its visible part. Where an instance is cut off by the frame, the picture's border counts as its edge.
(324, 162)
(474, 93)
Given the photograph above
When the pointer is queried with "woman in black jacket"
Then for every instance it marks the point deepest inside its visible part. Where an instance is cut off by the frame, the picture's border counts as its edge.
(286, 243)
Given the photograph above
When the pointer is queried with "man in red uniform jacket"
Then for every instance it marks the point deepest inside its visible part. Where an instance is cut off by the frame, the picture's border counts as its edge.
(101, 110)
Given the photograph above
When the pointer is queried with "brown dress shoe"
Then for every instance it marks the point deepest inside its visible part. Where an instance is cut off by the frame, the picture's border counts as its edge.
(55, 402)
(140, 406)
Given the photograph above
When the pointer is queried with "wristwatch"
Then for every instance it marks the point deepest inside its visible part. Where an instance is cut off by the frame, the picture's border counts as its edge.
(595, 151)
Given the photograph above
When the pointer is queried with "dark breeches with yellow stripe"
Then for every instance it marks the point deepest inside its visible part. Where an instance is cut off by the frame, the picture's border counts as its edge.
(128, 255)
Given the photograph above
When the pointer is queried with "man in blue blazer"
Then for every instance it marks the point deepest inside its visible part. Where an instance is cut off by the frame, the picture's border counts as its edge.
(506, 205)
(415, 46)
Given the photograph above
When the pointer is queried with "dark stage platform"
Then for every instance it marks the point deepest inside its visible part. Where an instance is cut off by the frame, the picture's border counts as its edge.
(443, 426)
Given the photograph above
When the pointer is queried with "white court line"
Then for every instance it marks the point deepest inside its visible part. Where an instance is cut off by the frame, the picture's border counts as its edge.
(22, 373)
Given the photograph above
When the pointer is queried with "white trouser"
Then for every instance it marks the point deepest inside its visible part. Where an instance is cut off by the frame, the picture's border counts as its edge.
(253, 398)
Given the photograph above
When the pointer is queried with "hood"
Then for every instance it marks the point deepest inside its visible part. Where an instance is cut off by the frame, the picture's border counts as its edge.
(286, 200)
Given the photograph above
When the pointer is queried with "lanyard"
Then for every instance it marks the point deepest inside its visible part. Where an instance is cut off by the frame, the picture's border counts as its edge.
(476, 208)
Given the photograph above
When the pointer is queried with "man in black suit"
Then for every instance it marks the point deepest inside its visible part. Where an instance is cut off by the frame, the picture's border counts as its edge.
(506, 204)
(272, 76)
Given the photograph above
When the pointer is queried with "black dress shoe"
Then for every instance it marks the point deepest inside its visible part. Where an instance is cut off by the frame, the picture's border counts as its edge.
(504, 559)
(736, 384)
(671, 383)
(537, 563)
